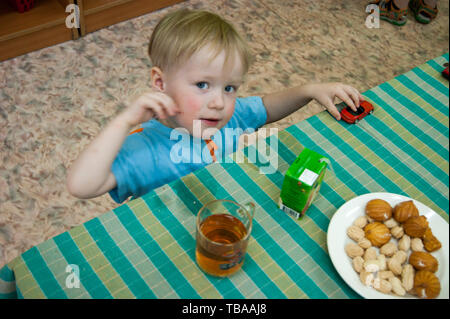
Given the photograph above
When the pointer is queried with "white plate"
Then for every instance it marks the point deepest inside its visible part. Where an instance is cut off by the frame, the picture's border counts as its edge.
(337, 239)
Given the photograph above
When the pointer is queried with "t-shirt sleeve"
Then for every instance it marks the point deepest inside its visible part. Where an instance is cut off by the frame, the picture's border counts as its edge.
(250, 113)
(133, 168)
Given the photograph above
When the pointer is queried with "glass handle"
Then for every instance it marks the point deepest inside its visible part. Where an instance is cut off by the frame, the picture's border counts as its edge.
(250, 207)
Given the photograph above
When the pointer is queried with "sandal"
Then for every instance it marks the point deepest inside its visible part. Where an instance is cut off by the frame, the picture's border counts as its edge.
(423, 12)
(390, 12)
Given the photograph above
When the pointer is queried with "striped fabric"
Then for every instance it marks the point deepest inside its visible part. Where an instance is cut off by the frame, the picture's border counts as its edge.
(146, 248)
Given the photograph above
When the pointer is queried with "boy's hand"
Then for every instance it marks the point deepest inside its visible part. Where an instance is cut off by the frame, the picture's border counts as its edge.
(149, 105)
(325, 94)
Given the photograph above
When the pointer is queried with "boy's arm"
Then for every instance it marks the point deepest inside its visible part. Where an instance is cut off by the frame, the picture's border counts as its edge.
(281, 104)
(90, 175)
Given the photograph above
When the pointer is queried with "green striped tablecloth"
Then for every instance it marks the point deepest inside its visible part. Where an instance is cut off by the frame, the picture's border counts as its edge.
(146, 248)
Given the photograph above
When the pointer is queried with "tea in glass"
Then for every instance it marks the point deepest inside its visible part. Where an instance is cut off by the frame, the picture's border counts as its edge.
(223, 229)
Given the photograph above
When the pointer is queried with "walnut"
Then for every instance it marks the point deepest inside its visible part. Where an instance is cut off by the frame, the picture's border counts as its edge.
(423, 261)
(430, 242)
(378, 209)
(415, 226)
(377, 233)
(405, 210)
(426, 284)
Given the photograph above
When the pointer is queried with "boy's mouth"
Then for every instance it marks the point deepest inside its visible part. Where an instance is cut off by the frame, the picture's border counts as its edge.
(210, 121)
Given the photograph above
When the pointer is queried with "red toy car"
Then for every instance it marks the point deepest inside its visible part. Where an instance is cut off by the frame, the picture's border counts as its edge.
(445, 72)
(352, 117)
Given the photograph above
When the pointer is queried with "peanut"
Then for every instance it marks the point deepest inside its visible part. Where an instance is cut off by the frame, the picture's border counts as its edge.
(416, 244)
(353, 250)
(388, 249)
(395, 266)
(382, 262)
(397, 287)
(401, 256)
(360, 222)
(364, 243)
(383, 286)
(391, 223)
(397, 232)
(355, 233)
(370, 254)
(408, 277)
(385, 274)
(358, 263)
(372, 265)
(404, 243)
(366, 278)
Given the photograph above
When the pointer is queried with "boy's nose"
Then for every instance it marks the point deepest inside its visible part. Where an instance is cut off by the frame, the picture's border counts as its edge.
(217, 101)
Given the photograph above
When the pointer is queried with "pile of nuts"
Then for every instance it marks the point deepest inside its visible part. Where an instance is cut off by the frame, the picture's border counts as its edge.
(399, 266)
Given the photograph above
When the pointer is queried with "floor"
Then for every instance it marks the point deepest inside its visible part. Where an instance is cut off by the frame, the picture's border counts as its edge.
(56, 100)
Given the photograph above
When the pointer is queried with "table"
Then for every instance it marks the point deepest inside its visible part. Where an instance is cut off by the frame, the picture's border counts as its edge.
(146, 248)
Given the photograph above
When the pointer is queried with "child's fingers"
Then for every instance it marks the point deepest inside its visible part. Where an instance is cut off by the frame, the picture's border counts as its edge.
(167, 104)
(344, 96)
(354, 95)
(331, 108)
(155, 108)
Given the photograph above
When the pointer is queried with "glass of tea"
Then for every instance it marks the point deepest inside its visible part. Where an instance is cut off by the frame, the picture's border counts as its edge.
(223, 230)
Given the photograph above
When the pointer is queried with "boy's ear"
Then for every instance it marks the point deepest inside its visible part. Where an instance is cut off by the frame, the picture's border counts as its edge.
(157, 78)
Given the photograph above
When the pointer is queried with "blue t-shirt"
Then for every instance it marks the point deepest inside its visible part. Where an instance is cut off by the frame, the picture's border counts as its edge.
(158, 154)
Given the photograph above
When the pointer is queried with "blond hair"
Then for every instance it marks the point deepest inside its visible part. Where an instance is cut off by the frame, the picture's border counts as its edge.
(182, 33)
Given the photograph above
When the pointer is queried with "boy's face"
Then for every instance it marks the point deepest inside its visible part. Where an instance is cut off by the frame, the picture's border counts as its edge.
(205, 90)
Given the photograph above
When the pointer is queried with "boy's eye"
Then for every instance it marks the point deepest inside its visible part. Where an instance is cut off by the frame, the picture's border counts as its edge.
(230, 89)
(202, 85)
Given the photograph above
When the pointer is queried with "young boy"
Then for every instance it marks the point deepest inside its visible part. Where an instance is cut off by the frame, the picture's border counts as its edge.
(199, 62)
